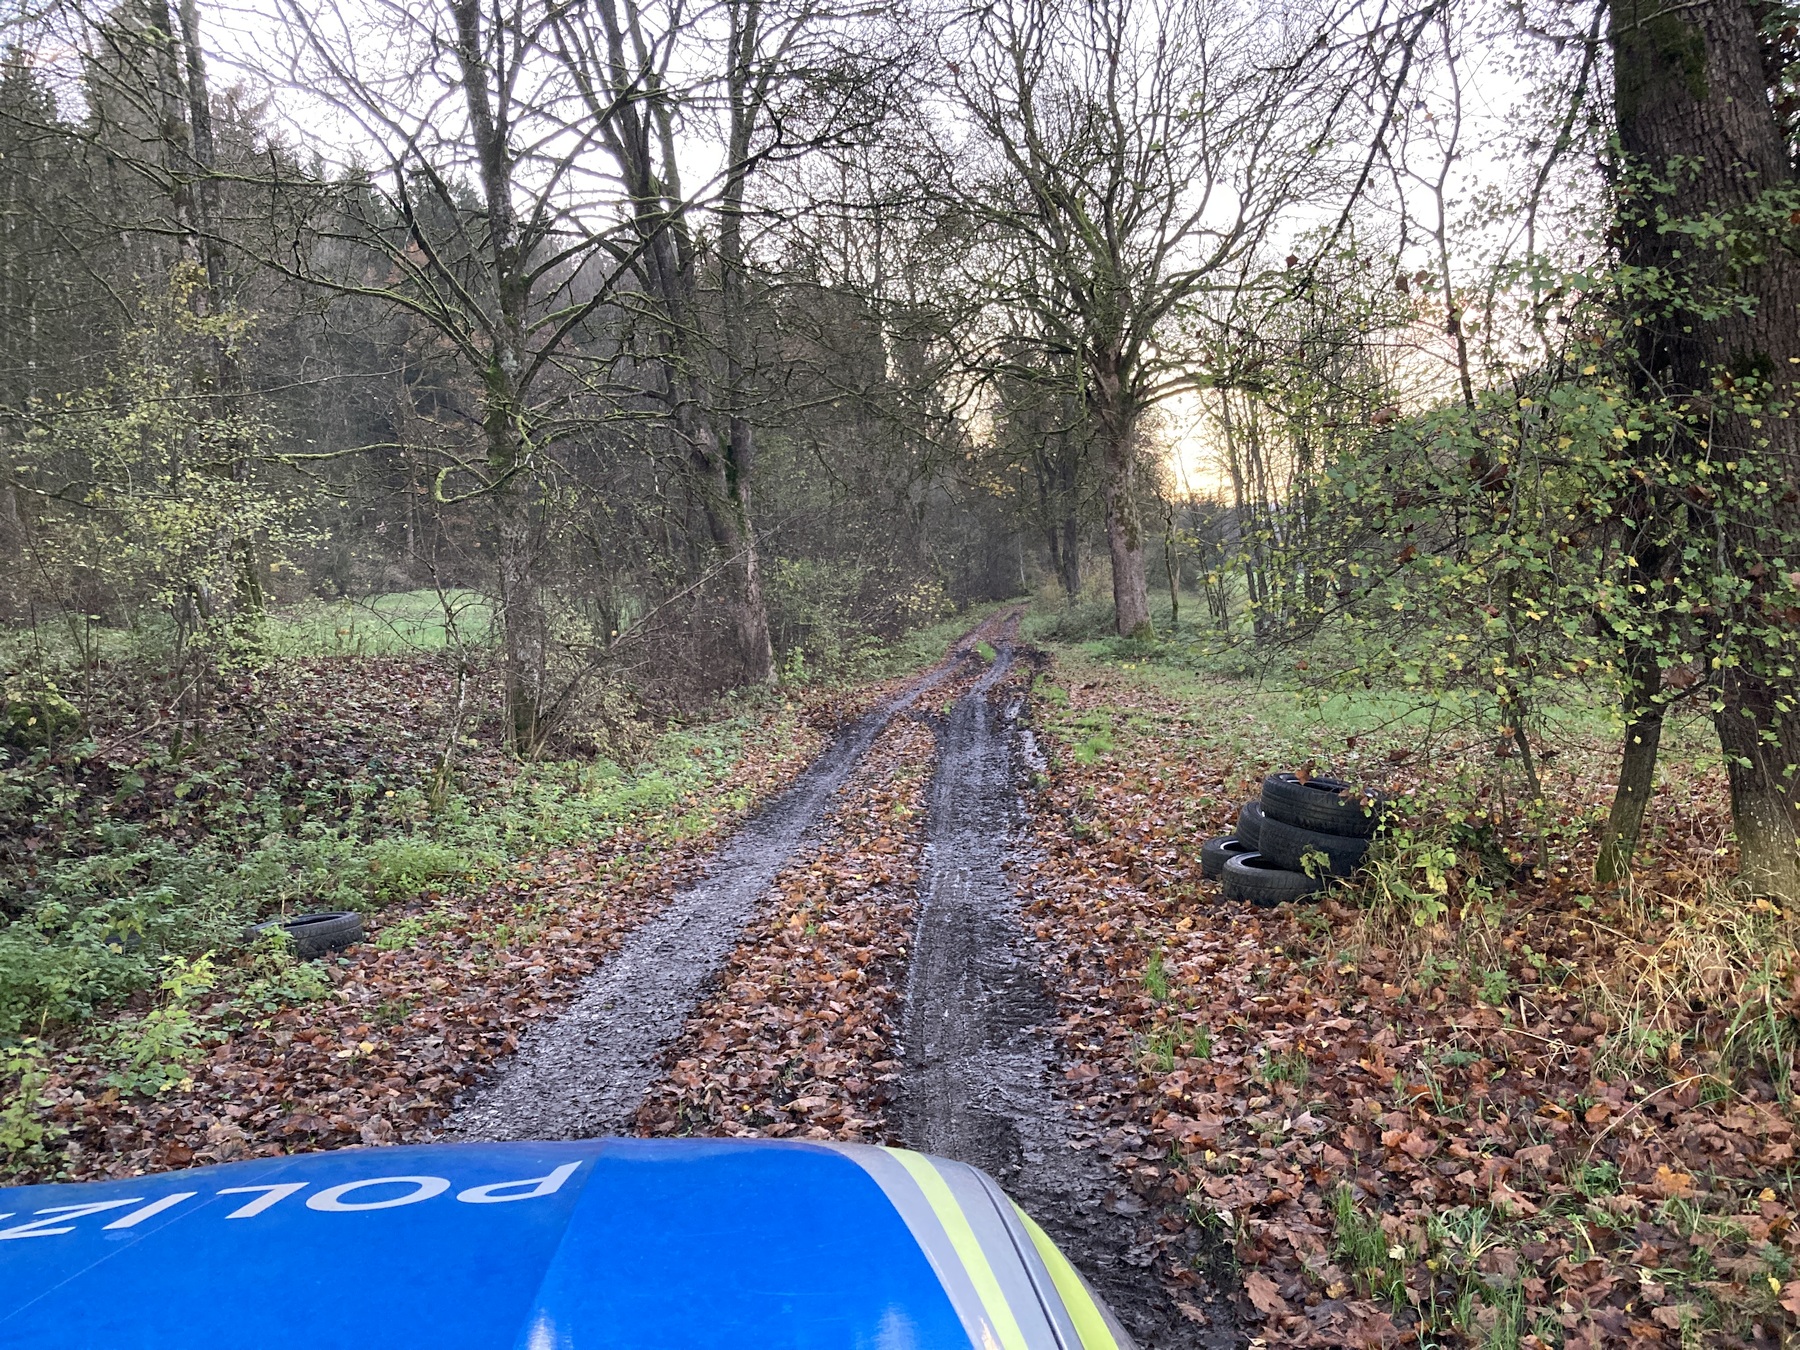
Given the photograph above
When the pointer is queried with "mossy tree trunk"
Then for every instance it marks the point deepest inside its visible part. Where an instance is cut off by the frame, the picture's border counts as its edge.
(1708, 210)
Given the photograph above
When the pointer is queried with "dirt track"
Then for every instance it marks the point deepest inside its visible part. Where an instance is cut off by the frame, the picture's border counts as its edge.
(981, 1060)
(585, 1073)
(981, 1070)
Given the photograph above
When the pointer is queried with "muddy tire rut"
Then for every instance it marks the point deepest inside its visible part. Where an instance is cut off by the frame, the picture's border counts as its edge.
(586, 1073)
(982, 1063)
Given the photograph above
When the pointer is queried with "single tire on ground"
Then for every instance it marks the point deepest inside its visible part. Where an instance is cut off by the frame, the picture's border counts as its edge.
(314, 934)
(1287, 845)
(1249, 823)
(1214, 852)
(1252, 877)
(1328, 805)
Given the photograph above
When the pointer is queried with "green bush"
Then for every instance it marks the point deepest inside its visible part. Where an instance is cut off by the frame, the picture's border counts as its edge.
(51, 977)
(33, 718)
(25, 1134)
(408, 864)
(274, 978)
(152, 1054)
(832, 618)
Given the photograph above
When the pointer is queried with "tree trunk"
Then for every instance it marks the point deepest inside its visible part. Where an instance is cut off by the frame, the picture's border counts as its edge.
(729, 514)
(207, 243)
(1071, 556)
(1057, 465)
(1124, 530)
(1637, 766)
(1124, 541)
(522, 633)
(12, 527)
(709, 419)
(1760, 736)
(209, 246)
(524, 624)
(1643, 653)
(755, 651)
(172, 126)
(1173, 570)
(1719, 335)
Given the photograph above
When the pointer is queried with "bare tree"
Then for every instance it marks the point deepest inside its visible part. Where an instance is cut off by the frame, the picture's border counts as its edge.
(770, 80)
(494, 231)
(1122, 158)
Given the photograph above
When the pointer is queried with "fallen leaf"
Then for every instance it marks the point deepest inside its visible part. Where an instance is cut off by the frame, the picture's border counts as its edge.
(1265, 1294)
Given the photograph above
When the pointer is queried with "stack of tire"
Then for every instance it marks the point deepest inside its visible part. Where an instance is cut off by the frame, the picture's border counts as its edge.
(1262, 861)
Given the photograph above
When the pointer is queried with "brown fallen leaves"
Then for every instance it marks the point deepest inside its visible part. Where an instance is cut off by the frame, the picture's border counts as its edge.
(381, 1058)
(800, 1039)
(1401, 1156)
(402, 1032)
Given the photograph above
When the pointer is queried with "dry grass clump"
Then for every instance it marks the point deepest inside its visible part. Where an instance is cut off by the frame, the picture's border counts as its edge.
(1703, 972)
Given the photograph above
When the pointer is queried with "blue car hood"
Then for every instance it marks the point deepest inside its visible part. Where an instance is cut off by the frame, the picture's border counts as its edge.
(533, 1246)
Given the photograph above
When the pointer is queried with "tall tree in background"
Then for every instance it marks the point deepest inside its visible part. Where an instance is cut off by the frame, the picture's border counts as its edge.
(763, 81)
(151, 113)
(622, 52)
(1040, 427)
(1709, 201)
(1124, 158)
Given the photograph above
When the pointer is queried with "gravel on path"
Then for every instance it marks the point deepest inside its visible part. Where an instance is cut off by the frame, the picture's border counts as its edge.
(586, 1073)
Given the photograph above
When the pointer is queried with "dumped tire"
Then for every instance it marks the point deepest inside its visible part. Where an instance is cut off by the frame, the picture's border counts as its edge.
(1328, 805)
(314, 934)
(1215, 852)
(1287, 845)
(1252, 877)
(1249, 823)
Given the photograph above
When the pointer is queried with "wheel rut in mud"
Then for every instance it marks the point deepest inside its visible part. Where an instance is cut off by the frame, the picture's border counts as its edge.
(979, 1027)
(586, 1073)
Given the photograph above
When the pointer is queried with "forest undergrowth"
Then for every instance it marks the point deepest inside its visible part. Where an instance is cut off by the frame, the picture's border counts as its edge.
(1463, 1101)
(1470, 1099)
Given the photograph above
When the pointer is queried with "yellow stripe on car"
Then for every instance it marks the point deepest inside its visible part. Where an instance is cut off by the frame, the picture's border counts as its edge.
(968, 1248)
(1090, 1322)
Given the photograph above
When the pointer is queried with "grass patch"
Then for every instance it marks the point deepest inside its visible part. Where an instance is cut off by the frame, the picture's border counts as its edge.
(1376, 1262)
(381, 625)
(920, 648)
(1156, 978)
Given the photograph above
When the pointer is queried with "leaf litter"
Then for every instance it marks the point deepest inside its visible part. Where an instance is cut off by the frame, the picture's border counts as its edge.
(799, 1039)
(404, 1022)
(1397, 1158)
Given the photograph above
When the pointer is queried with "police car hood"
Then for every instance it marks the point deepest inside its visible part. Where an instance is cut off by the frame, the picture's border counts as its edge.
(536, 1246)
